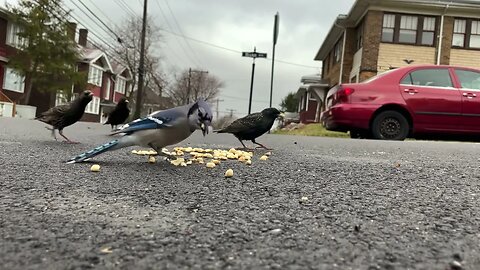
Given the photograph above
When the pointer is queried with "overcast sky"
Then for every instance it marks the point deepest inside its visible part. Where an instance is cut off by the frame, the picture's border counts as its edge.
(235, 26)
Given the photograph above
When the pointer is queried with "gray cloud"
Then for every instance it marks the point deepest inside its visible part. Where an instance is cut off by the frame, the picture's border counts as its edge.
(237, 25)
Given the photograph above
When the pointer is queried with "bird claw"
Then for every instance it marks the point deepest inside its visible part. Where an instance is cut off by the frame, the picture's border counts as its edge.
(263, 147)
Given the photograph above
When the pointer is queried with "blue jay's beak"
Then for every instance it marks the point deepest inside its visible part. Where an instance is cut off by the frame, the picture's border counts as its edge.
(206, 127)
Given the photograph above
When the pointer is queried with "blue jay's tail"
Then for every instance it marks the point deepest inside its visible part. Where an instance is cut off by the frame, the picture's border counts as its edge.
(115, 144)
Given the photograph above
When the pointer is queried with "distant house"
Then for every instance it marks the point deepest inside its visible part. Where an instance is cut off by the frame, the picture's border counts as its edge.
(12, 86)
(379, 35)
(309, 94)
(108, 80)
(153, 101)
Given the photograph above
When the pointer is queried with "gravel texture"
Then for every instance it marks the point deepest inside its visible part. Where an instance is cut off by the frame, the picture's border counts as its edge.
(316, 203)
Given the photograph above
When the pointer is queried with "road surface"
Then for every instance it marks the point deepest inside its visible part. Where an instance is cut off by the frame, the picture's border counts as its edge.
(369, 205)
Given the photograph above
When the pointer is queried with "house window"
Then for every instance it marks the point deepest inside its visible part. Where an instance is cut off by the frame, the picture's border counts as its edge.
(459, 30)
(60, 98)
(311, 96)
(95, 75)
(359, 37)
(475, 35)
(120, 85)
(13, 39)
(13, 81)
(408, 29)
(107, 89)
(388, 28)
(428, 32)
(93, 106)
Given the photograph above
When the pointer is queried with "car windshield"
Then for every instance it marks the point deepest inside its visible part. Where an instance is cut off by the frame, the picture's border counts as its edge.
(379, 75)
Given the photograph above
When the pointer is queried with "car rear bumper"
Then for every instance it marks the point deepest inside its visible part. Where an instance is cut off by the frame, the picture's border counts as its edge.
(345, 117)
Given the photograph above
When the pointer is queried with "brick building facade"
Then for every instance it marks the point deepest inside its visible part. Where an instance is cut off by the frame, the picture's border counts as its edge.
(376, 36)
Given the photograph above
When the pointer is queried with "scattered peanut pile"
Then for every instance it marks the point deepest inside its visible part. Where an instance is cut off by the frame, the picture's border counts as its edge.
(187, 155)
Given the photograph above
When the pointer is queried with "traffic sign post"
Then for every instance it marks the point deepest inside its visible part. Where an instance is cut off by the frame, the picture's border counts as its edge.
(253, 55)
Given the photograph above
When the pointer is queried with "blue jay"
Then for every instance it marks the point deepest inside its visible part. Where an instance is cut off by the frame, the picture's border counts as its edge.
(159, 129)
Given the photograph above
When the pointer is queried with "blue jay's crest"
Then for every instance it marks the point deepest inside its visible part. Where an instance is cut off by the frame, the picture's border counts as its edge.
(204, 111)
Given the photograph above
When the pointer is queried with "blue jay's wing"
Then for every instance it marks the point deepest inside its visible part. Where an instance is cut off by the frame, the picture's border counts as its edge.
(160, 119)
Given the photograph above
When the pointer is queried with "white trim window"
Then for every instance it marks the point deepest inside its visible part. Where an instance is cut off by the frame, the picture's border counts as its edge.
(13, 81)
(107, 90)
(93, 106)
(13, 39)
(95, 75)
(60, 98)
(120, 85)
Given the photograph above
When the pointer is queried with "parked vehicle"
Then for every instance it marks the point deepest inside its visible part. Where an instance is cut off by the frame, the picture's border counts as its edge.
(411, 101)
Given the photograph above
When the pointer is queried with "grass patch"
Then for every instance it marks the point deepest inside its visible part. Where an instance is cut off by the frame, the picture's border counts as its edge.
(313, 130)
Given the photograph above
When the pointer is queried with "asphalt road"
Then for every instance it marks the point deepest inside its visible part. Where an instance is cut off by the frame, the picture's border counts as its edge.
(371, 205)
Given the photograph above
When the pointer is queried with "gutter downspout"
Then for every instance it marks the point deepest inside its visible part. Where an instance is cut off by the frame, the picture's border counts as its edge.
(343, 51)
(343, 54)
(440, 43)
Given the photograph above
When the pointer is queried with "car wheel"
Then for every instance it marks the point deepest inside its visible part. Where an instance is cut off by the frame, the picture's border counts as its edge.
(390, 125)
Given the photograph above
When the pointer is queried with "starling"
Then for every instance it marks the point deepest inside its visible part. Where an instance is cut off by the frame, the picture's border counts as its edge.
(119, 114)
(252, 126)
(62, 116)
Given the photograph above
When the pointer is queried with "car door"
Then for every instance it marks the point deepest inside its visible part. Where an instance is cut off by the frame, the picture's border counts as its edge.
(430, 94)
(469, 85)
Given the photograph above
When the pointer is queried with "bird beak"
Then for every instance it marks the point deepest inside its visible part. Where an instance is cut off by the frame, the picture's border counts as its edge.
(90, 94)
(127, 101)
(206, 128)
(281, 115)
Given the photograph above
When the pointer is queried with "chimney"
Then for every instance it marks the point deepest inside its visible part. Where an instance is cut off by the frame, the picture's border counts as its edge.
(82, 37)
(72, 28)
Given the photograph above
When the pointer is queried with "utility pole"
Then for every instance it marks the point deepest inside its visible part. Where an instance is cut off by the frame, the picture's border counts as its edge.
(189, 81)
(141, 68)
(217, 100)
(231, 112)
(275, 36)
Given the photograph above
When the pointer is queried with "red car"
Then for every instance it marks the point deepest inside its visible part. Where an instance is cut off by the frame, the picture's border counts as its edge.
(411, 101)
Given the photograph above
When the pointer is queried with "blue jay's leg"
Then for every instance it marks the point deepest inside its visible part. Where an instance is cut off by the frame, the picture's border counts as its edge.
(160, 153)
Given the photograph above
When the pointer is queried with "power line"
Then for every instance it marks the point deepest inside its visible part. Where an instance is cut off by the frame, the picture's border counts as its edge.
(82, 22)
(100, 20)
(181, 31)
(101, 11)
(233, 50)
(128, 8)
(170, 26)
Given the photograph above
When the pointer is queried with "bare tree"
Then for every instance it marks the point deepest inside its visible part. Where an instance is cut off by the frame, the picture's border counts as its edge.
(128, 52)
(188, 86)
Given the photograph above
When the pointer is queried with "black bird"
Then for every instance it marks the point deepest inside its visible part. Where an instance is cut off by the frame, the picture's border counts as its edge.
(119, 114)
(62, 116)
(252, 126)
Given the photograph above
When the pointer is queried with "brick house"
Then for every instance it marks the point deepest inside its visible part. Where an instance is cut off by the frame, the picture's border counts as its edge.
(12, 85)
(108, 81)
(379, 35)
(309, 94)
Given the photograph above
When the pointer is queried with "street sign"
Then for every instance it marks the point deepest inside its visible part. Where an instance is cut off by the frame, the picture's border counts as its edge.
(254, 54)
